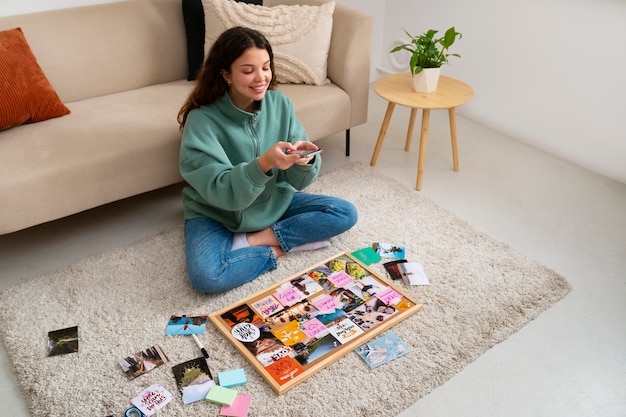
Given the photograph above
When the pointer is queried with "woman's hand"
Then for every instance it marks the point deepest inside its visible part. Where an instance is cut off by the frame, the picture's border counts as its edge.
(277, 157)
(302, 145)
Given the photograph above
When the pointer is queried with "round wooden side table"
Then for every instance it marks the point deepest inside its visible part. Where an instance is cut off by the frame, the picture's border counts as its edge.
(396, 89)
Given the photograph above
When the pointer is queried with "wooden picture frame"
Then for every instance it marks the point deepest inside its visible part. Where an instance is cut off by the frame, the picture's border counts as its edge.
(298, 326)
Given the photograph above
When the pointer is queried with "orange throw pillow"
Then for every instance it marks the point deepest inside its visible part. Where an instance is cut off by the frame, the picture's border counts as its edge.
(26, 95)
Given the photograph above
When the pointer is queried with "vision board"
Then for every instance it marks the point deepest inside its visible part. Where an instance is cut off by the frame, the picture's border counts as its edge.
(293, 329)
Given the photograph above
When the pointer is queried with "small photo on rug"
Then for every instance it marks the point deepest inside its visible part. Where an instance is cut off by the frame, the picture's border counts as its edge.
(193, 379)
(393, 268)
(187, 324)
(413, 274)
(63, 341)
(142, 362)
(389, 250)
(383, 349)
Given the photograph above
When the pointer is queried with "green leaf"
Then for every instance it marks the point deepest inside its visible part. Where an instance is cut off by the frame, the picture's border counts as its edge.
(427, 51)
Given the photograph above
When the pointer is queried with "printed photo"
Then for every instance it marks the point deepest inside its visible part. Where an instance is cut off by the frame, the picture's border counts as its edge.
(242, 314)
(63, 341)
(193, 379)
(142, 362)
(268, 349)
(306, 285)
(346, 299)
(389, 250)
(313, 350)
(187, 324)
(371, 314)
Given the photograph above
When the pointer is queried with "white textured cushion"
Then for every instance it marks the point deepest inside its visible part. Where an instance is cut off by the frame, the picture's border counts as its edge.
(299, 35)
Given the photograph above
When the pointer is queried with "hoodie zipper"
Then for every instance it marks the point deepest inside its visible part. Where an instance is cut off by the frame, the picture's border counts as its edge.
(251, 123)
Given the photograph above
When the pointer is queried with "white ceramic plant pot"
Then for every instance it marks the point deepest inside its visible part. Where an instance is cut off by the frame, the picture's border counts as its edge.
(426, 80)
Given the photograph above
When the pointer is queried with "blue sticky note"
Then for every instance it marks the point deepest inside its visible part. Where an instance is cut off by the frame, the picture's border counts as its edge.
(232, 378)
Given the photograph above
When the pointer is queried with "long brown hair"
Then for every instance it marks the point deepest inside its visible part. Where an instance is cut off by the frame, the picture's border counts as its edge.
(229, 46)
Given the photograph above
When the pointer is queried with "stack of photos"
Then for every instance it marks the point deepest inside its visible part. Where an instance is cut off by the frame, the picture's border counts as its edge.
(291, 326)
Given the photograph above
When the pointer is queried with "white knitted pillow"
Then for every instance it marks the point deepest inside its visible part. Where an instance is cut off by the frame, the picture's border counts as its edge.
(299, 35)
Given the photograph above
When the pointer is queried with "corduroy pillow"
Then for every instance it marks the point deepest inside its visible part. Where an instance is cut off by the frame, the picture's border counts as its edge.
(299, 34)
(193, 16)
(26, 95)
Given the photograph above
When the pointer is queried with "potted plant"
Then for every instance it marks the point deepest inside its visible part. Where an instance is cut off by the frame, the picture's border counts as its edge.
(428, 54)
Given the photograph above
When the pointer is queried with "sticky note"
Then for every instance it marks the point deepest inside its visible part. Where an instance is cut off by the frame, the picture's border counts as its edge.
(232, 378)
(221, 395)
(239, 407)
(389, 296)
(340, 279)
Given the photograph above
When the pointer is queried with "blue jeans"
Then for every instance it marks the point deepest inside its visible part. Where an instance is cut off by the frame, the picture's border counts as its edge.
(211, 265)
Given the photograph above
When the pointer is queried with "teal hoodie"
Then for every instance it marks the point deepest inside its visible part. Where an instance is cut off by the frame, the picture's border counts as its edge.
(218, 158)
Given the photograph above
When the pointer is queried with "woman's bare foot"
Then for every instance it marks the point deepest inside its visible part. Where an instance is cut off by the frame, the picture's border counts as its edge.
(265, 237)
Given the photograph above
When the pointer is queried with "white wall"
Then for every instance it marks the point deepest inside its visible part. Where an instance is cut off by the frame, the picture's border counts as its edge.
(549, 73)
(15, 7)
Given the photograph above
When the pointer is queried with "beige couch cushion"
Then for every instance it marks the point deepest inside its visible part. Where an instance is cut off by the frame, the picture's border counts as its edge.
(323, 110)
(82, 160)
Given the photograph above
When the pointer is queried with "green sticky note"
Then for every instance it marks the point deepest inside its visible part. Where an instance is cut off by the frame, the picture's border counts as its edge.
(367, 255)
(221, 395)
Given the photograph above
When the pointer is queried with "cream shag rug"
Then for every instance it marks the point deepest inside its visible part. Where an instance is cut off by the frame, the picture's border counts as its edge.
(481, 292)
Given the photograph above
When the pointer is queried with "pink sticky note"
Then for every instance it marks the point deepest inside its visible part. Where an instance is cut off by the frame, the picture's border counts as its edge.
(288, 295)
(312, 328)
(340, 279)
(325, 303)
(239, 407)
(267, 306)
(389, 296)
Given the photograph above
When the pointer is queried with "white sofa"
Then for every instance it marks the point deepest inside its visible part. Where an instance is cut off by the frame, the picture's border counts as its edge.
(121, 68)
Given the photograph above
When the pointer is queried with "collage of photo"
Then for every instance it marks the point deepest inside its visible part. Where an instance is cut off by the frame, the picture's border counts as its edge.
(290, 327)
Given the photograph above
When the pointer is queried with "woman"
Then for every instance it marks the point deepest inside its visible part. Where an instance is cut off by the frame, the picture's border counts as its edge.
(242, 210)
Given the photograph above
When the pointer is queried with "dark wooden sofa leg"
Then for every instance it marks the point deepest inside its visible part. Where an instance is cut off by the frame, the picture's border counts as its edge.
(347, 142)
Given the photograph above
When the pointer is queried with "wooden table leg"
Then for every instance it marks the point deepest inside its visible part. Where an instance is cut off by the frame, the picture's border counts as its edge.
(422, 152)
(409, 133)
(383, 132)
(455, 151)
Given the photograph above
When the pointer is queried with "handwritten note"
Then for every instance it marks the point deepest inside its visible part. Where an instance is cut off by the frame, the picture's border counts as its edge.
(389, 296)
(340, 279)
(288, 295)
(152, 399)
(313, 328)
(267, 306)
(325, 303)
